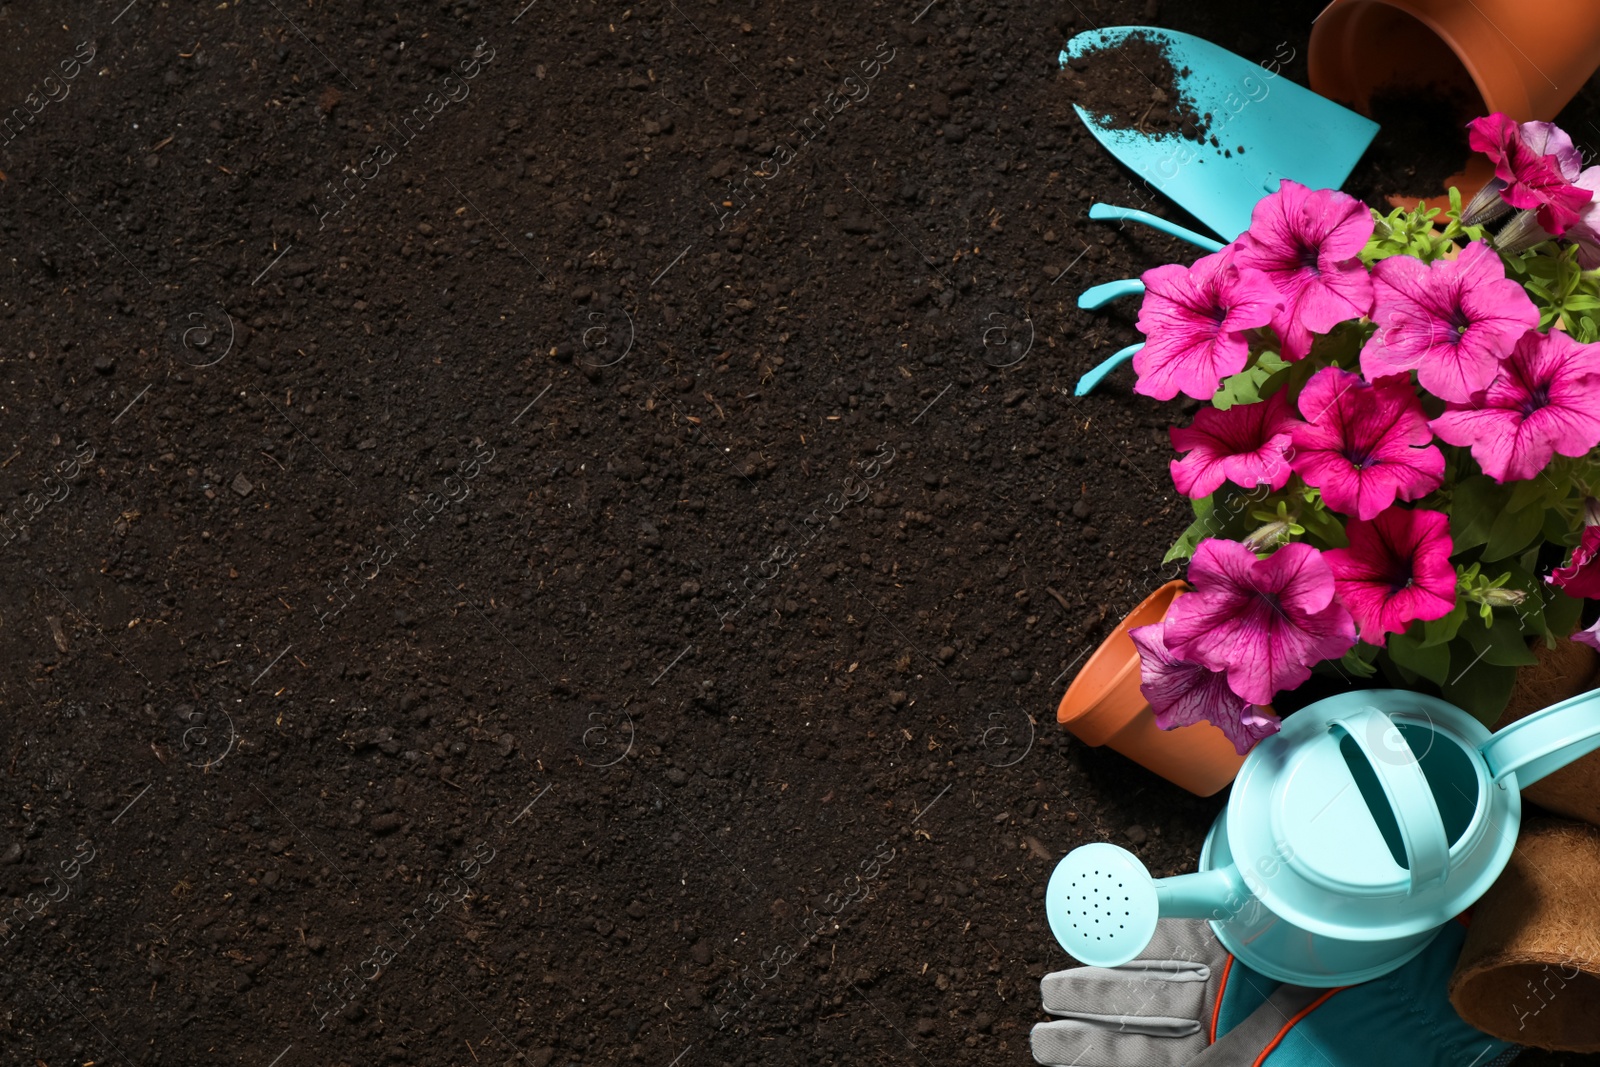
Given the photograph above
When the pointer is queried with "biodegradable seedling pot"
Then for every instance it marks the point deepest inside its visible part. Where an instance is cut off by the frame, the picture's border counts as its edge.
(1529, 971)
(1104, 706)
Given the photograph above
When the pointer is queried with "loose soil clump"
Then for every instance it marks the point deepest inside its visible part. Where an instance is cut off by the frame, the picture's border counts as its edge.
(1134, 86)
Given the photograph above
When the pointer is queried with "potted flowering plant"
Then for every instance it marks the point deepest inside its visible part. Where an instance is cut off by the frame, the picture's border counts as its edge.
(1420, 399)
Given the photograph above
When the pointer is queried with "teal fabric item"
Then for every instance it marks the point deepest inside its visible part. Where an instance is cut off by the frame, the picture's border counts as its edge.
(1245, 991)
(1403, 1019)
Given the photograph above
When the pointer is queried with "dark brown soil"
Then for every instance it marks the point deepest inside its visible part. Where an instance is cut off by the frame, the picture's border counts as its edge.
(1134, 86)
(1393, 166)
(556, 536)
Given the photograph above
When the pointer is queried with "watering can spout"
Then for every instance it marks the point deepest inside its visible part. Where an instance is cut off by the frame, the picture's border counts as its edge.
(1216, 894)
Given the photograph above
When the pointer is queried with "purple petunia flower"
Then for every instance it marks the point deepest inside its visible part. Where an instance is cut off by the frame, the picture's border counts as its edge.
(1194, 320)
(1183, 693)
(1306, 241)
(1364, 445)
(1396, 569)
(1245, 445)
(1263, 621)
(1451, 321)
(1546, 401)
(1590, 637)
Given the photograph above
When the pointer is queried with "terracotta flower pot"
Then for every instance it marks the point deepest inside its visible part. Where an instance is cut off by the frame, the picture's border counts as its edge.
(1526, 58)
(1103, 706)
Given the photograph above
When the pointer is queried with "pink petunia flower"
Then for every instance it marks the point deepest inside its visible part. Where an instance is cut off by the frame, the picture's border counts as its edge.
(1194, 320)
(1183, 693)
(1364, 445)
(1263, 621)
(1396, 569)
(1307, 242)
(1585, 233)
(1590, 637)
(1581, 576)
(1539, 165)
(1245, 445)
(1548, 139)
(1546, 401)
(1451, 321)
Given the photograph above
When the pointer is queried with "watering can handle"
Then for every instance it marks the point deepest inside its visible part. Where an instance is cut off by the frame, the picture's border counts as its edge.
(1411, 799)
(1545, 741)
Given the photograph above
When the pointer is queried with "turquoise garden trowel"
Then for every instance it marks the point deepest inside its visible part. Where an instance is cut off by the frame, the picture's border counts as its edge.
(1285, 131)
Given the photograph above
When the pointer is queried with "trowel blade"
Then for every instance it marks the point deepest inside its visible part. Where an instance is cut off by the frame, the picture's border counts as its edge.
(1286, 131)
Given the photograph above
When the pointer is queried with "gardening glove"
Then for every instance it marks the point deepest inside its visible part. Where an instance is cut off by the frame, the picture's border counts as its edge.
(1186, 1002)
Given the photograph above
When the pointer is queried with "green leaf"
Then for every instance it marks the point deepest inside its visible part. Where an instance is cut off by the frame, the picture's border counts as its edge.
(1184, 546)
(1245, 387)
(1430, 661)
(1561, 613)
(1512, 531)
(1358, 661)
(1475, 503)
(1502, 644)
(1557, 529)
(1532, 491)
(1482, 690)
(1438, 631)
(1397, 675)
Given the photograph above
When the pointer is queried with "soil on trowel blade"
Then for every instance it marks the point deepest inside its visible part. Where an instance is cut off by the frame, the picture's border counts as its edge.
(1134, 86)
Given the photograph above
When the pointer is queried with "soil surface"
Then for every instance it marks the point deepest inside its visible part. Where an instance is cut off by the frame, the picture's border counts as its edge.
(540, 534)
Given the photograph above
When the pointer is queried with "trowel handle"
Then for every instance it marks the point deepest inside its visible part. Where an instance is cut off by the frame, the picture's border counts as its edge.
(1112, 213)
(1106, 292)
(1545, 741)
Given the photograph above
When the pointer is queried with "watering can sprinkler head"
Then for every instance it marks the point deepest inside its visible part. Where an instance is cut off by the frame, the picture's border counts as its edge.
(1103, 904)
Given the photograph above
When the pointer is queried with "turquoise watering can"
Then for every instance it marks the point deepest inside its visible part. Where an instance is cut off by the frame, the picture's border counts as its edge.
(1351, 837)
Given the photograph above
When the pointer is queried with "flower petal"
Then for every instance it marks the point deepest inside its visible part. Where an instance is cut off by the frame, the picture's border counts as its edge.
(1364, 445)
(1182, 693)
(1396, 570)
(1265, 622)
(1194, 320)
(1306, 241)
(1545, 401)
(1581, 575)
